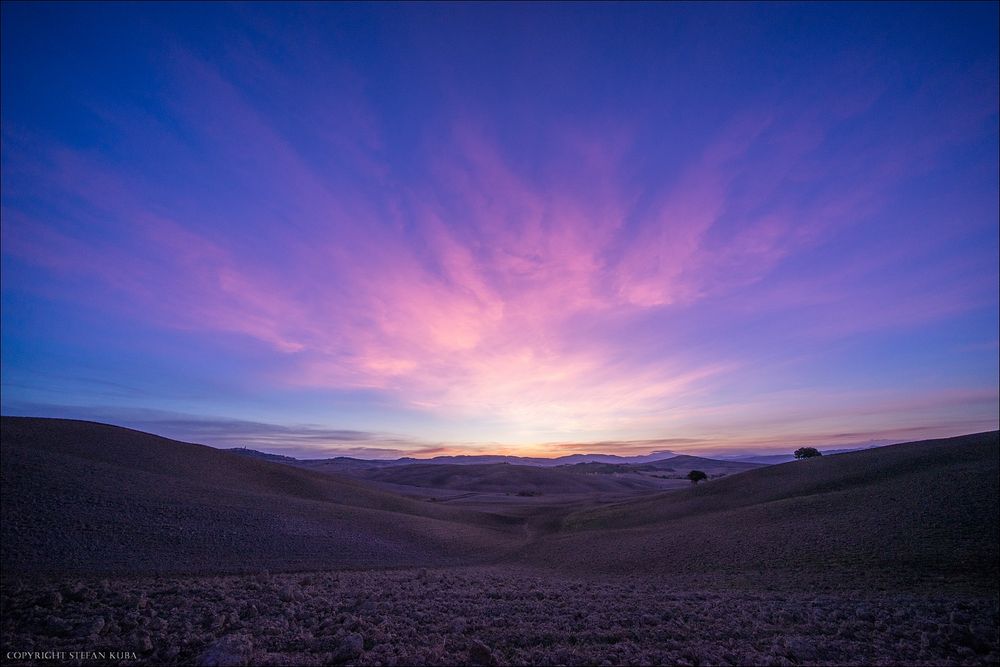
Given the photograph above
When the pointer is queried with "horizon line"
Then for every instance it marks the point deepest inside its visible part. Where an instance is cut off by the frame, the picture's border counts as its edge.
(303, 452)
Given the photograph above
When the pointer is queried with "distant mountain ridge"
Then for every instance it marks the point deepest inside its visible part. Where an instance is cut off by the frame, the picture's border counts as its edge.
(352, 462)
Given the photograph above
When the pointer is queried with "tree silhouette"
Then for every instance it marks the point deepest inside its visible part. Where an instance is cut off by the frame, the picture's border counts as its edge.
(807, 453)
(696, 476)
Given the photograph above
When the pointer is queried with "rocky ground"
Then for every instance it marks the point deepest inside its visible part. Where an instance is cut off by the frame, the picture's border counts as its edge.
(483, 616)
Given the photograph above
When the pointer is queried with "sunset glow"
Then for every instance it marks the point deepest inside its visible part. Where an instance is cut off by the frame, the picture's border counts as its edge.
(387, 230)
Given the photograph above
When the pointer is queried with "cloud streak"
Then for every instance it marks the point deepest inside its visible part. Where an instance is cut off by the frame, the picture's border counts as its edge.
(560, 290)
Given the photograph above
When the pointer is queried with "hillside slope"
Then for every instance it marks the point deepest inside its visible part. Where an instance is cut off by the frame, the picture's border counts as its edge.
(910, 513)
(675, 466)
(686, 462)
(507, 478)
(87, 497)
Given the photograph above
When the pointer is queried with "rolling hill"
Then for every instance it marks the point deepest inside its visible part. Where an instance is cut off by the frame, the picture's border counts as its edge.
(677, 466)
(587, 477)
(87, 497)
(507, 478)
(913, 513)
(883, 556)
(685, 463)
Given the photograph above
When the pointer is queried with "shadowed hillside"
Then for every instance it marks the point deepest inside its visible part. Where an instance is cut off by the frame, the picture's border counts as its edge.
(677, 466)
(506, 478)
(588, 478)
(917, 512)
(87, 497)
(877, 557)
(684, 463)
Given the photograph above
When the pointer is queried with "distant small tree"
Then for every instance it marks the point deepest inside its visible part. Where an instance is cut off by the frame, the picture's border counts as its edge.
(696, 476)
(807, 453)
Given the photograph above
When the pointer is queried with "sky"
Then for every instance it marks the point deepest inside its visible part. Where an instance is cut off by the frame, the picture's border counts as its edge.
(416, 229)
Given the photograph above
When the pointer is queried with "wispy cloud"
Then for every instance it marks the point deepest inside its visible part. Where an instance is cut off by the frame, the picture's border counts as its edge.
(549, 291)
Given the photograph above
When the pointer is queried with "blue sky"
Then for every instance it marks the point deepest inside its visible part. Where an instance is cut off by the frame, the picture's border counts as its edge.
(380, 229)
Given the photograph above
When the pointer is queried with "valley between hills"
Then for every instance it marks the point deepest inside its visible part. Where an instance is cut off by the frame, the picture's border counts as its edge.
(175, 553)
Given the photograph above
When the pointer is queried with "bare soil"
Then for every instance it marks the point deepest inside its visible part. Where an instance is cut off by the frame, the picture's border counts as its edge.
(489, 616)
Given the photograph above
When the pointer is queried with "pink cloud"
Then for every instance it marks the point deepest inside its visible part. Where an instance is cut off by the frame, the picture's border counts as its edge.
(465, 291)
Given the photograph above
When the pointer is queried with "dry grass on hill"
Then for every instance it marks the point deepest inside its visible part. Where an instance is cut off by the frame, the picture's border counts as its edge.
(84, 497)
(508, 478)
(912, 514)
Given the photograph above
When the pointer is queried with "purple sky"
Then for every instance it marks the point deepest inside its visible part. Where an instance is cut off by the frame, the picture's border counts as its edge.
(386, 229)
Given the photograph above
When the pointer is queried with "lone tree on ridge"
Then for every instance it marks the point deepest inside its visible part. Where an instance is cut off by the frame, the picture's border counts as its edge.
(807, 453)
(696, 476)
